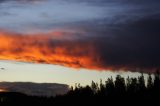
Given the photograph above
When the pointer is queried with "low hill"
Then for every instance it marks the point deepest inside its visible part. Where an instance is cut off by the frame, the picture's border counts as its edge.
(35, 89)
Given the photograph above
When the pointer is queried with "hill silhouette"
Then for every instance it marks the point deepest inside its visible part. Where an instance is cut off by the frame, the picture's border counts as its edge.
(35, 89)
(120, 91)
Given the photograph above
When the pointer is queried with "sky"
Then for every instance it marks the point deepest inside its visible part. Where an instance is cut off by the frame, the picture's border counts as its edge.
(77, 41)
(45, 73)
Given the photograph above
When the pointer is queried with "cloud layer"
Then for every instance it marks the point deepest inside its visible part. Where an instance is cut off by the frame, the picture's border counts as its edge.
(132, 46)
(93, 34)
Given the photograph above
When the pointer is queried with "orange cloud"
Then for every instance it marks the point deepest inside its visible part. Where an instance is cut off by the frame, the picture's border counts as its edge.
(50, 48)
(73, 50)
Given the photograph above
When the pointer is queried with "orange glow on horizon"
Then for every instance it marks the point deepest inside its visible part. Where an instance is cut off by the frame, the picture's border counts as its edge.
(3, 90)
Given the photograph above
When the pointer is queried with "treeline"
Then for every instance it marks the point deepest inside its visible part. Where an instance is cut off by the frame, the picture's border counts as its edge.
(120, 91)
(120, 87)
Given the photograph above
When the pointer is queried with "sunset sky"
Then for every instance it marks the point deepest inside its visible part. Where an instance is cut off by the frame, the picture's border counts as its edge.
(77, 41)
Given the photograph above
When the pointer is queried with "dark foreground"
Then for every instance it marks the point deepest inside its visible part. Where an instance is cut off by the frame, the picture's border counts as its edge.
(130, 91)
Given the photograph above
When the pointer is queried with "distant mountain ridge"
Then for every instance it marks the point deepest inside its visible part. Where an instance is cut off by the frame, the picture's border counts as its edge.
(35, 89)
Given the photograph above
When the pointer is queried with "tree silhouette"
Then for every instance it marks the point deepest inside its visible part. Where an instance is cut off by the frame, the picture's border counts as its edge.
(112, 92)
(101, 89)
(94, 87)
(156, 87)
(141, 84)
(109, 87)
(119, 86)
(149, 82)
(132, 87)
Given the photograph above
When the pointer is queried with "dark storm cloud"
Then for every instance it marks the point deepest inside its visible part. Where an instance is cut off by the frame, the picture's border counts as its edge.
(20, 0)
(131, 45)
(109, 34)
(131, 39)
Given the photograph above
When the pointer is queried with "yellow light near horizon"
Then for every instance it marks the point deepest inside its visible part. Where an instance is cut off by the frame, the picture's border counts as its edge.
(2, 90)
